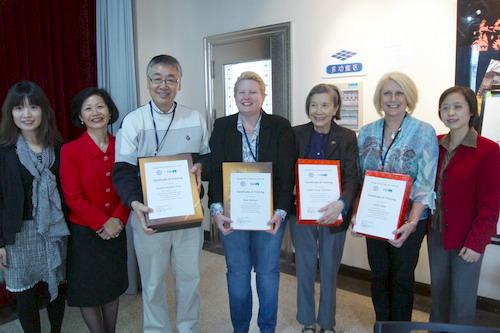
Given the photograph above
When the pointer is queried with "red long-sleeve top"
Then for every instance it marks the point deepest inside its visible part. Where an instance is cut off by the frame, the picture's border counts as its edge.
(470, 195)
(85, 173)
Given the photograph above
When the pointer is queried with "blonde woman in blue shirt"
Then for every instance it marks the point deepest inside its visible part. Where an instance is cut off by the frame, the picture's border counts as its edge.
(399, 143)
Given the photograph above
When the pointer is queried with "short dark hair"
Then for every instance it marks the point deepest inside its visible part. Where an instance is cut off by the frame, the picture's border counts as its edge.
(470, 98)
(166, 60)
(81, 97)
(47, 134)
(324, 88)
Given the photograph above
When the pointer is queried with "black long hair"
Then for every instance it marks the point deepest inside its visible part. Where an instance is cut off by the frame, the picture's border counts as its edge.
(27, 91)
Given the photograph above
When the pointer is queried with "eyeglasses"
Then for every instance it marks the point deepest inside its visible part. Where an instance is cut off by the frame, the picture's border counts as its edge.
(158, 81)
(324, 106)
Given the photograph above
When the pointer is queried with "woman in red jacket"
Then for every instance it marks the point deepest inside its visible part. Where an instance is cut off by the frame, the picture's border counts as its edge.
(97, 258)
(468, 196)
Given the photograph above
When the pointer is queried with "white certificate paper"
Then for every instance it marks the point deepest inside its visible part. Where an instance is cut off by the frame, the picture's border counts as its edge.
(319, 186)
(169, 189)
(380, 206)
(250, 204)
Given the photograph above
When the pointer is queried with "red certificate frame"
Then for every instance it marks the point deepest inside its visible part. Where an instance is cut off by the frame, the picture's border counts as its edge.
(300, 219)
(405, 201)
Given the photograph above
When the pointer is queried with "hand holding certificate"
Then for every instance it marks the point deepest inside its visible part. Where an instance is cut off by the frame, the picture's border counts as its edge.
(382, 205)
(248, 195)
(318, 189)
(170, 190)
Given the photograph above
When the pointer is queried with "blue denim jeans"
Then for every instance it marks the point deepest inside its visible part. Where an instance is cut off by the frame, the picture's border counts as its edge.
(259, 250)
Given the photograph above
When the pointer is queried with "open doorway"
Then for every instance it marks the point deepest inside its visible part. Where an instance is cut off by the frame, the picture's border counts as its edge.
(265, 50)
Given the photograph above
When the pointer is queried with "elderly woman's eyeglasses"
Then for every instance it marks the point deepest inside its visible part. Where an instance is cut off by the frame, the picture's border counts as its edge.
(159, 80)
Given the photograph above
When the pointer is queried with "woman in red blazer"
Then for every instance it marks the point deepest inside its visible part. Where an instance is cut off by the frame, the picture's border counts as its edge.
(467, 206)
(97, 258)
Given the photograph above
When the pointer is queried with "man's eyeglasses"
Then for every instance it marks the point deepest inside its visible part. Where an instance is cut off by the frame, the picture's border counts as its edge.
(169, 81)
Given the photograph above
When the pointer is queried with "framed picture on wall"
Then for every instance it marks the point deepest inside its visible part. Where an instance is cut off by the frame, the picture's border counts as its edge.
(478, 43)
(478, 60)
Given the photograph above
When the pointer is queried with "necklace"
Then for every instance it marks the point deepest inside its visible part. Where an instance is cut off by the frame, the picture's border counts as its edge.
(101, 140)
(103, 145)
(394, 135)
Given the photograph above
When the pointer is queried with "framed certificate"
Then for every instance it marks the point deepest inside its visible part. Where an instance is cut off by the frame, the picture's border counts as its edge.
(383, 203)
(318, 184)
(170, 190)
(248, 194)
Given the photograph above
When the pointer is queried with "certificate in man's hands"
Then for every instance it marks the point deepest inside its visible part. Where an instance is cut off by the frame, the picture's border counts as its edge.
(318, 184)
(248, 194)
(169, 188)
(382, 205)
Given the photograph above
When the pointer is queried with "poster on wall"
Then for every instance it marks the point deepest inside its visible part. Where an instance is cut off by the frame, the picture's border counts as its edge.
(478, 56)
(478, 44)
(350, 112)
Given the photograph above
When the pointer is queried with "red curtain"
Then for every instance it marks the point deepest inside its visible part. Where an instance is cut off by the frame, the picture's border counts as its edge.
(50, 42)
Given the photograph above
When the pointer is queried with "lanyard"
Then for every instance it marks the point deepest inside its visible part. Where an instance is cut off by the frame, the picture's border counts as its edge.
(383, 156)
(158, 142)
(249, 146)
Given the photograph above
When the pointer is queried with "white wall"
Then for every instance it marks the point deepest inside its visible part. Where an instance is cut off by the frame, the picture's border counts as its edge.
(423, 31)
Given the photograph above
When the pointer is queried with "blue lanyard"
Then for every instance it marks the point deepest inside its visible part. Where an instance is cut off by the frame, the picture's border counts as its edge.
(383, 156)
(250, 146)
(158, 142)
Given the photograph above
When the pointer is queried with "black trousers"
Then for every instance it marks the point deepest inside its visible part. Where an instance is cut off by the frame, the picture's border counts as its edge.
(393, 275)
(29, 315)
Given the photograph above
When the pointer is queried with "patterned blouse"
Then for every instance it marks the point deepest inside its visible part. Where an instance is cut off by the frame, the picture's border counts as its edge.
(414, 152)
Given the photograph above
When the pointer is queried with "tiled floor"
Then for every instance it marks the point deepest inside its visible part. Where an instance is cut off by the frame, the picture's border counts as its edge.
(354, 308)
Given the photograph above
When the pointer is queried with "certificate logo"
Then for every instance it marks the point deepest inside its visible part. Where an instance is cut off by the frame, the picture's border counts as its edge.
(159, 172)
(311, 175)
(243, 183)
(376, 188)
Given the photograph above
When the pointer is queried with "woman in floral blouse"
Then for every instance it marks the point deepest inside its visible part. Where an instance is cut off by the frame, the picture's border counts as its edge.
(399, 143)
